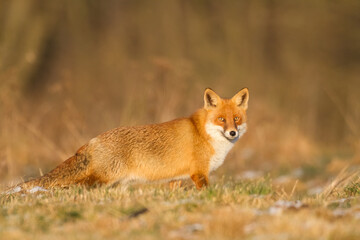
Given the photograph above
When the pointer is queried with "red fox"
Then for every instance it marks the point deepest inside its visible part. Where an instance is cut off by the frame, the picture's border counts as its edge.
(186, 147)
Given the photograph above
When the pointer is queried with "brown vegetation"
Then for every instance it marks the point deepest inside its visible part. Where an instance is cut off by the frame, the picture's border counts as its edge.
(71, 70)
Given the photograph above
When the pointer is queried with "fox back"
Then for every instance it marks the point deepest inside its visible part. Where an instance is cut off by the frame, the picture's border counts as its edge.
(182, 148)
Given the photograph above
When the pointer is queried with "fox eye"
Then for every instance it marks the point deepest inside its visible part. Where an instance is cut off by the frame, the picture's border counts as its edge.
(236, 119)
(221, 119)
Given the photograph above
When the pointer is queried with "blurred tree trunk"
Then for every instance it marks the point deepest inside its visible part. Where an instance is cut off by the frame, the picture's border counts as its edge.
(271, 38)
(28, 29)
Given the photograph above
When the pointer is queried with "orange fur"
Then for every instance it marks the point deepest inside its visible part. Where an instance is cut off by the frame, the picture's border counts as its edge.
(186, 147)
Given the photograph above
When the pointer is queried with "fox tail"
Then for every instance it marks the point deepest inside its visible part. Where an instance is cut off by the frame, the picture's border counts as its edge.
(74, 170)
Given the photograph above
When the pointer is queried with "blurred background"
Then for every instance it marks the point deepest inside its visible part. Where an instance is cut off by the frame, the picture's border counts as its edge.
(70, 70)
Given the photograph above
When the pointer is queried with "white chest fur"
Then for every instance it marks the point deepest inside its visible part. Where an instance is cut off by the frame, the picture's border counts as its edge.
(220, 143)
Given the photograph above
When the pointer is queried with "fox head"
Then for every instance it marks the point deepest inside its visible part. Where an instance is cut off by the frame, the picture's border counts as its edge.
(226, 118)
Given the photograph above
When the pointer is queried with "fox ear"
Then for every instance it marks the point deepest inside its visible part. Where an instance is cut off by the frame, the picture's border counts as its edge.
(241, 98)
(211, 99)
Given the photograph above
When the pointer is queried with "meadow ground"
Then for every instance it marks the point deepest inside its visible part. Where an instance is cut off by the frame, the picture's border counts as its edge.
(257, 208)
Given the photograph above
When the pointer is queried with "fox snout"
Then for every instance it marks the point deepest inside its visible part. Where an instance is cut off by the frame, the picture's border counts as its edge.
(233, 133)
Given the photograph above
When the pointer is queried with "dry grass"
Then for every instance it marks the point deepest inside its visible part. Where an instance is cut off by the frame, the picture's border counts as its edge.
(229, 209)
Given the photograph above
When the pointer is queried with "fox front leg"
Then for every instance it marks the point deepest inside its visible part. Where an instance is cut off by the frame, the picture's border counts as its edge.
(175, 184)
(200, 180)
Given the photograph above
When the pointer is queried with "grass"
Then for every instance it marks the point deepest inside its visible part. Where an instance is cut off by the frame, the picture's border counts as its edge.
(228, 209)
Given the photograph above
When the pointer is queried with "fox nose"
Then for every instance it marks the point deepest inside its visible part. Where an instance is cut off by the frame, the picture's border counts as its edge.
(232, 133)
